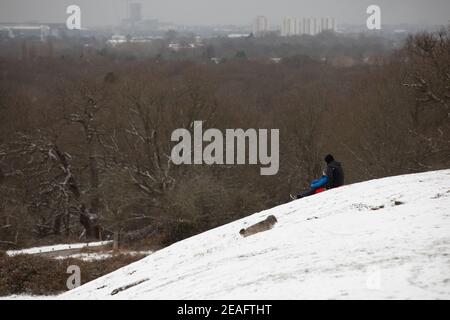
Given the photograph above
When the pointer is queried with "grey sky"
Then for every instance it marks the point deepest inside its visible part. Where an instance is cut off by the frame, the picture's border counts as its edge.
(208, 12)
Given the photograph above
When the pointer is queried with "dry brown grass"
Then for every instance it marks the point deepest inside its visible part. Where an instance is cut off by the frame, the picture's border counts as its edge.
(34, 275)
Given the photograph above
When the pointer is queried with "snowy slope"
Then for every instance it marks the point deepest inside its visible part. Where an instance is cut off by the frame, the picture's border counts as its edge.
(340, 244)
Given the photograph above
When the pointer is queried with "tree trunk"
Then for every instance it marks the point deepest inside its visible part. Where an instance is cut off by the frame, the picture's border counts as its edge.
(116, 241)
(57, 224)
(90, 222)
(2, 176)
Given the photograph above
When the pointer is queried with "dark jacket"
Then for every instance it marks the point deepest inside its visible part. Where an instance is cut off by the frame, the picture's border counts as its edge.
(335, 175)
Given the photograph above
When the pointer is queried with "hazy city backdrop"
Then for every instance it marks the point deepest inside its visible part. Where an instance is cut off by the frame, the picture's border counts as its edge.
(241, 12)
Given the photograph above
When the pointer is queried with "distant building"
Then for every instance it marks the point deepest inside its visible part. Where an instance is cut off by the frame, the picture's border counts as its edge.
(135, 24)
(37, 31)
(260, 26)
(175, 46)
(149, 24)
(26, 31)
(291, 27)
(166, 26)
(144, 27)
(116, 40)
(135, 13)
(238, 35)
(275, 60)
(330, 24)
(311, 26)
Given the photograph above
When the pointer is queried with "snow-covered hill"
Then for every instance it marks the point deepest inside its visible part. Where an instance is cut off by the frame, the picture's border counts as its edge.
(386, 238)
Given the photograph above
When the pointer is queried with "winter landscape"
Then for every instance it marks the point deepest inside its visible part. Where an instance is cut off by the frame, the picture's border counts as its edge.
(381, 239)
(212, 150)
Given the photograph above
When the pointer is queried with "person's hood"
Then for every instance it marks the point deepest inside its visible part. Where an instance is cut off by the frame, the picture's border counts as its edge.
(334, 164)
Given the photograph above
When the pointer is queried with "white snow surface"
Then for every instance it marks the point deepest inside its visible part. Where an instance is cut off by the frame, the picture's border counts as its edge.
(95, 256)
(340, 244)
(58, 247)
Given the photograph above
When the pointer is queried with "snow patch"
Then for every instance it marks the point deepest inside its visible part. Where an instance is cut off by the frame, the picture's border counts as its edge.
(59, 247)
(95, 256)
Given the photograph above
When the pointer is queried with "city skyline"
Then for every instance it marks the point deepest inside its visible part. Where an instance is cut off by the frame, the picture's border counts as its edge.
(293, 26)
(232, 12)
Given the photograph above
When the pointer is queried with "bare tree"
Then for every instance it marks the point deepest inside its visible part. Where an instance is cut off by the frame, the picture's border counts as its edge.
(428, 74)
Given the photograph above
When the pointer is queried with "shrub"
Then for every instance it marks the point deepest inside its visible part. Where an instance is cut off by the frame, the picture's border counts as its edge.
(36, 275)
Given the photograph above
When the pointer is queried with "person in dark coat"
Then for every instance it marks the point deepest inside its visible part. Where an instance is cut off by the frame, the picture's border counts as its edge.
(332, 177)
(334, 172)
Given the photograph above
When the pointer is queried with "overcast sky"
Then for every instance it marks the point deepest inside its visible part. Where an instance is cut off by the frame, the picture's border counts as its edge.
(241, 12)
